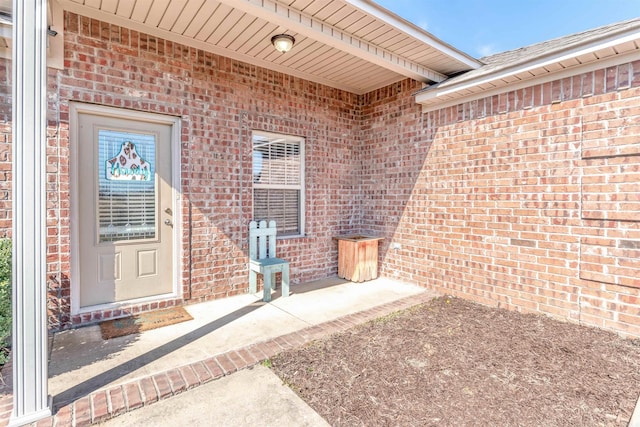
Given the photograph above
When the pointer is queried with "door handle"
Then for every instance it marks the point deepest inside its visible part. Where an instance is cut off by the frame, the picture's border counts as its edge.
(168, 222)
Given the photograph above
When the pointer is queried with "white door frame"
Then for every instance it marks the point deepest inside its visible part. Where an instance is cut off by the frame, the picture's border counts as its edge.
(76, 108)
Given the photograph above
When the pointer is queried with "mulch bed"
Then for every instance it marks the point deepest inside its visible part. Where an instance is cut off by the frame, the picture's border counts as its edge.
(451, 362)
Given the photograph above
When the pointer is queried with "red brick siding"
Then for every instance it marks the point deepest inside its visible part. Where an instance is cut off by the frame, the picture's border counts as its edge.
(526, 200)
(523, 200)
(5, 149)
(219, 101)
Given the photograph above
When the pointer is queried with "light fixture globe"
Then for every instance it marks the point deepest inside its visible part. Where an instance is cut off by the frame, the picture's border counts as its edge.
(283, 42)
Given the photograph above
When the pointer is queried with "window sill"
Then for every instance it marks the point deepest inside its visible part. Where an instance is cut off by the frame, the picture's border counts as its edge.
(292, 237)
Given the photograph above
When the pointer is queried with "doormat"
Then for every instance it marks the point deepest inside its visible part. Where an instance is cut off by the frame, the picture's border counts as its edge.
(143, 322)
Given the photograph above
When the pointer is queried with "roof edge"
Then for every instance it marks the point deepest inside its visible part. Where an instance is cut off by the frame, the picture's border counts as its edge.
(432, 102)
(374, 9)
(457, 86)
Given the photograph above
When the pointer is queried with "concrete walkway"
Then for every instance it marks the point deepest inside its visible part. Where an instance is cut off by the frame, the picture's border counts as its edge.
(252, 397)
(93, 380)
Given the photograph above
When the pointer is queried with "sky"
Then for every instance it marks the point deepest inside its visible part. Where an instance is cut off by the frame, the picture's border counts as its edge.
(485, 27)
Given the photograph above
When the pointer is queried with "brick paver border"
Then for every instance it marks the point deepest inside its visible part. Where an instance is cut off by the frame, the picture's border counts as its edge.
(107, 403)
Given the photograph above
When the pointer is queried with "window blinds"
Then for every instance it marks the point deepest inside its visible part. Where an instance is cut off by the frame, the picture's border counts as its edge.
(278, 181)
(126, 209)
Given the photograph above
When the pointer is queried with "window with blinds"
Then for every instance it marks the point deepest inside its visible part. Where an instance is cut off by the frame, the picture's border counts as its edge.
(278, 181)
(126, 204)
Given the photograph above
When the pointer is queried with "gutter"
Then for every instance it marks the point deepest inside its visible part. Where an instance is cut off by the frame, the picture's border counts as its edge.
(521, 71)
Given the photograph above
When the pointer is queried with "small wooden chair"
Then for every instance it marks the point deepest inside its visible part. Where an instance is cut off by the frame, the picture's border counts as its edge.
(262, 259)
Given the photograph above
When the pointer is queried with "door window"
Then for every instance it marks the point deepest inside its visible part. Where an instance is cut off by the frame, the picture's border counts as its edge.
(127, 187)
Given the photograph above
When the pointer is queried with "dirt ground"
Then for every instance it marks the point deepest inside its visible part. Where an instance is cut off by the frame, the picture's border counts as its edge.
(455, 363)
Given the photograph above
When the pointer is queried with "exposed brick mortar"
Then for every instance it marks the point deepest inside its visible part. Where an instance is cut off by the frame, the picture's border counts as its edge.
(395, 134)
(211, 91)
(193, 74)
(449, 130)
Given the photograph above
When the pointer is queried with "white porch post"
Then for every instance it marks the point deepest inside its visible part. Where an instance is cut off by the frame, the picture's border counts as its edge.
(30, 400)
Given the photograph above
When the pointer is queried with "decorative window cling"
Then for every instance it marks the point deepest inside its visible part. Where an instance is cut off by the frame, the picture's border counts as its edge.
(127, 189)
(127, 165)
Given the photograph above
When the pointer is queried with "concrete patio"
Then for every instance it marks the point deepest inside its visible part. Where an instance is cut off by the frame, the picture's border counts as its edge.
(92, 380)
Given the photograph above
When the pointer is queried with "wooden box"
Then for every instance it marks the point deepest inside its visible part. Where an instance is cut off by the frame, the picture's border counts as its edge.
(358, 257)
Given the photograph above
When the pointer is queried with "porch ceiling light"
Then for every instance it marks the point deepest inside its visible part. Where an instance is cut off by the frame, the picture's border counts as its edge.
(283, 42)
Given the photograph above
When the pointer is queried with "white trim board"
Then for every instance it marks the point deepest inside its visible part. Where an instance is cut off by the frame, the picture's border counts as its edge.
(434, 105)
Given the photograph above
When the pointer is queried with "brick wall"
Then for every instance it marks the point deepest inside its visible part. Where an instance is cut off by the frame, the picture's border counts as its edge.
(219, 101)
(528, 200)
(5, 149)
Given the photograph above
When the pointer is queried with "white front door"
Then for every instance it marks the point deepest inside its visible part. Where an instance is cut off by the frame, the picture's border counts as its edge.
(124, 214)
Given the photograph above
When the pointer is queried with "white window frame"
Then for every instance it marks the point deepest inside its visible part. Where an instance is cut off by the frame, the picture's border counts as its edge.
(301, 187)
